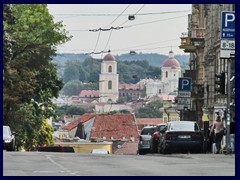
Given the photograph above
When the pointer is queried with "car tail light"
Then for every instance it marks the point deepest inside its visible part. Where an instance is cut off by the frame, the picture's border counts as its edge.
(171, 136)
(155, 135)
(196, 135)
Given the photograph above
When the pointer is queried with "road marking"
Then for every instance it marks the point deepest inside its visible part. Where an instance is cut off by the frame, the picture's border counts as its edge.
(60, 166)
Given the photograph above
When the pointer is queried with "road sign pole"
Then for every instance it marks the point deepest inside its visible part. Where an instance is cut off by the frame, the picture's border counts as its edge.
(228, 105)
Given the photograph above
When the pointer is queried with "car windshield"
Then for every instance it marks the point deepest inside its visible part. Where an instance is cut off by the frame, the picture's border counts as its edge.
(183, 127)
(6, 130)
(147, 131)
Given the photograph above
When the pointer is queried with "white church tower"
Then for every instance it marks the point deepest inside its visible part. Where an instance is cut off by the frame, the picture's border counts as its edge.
(171, 71)
(108, 80)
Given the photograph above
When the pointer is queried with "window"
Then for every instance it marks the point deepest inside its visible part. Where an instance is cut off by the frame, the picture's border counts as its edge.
(109, 84)
(166, 74)
(109, 68)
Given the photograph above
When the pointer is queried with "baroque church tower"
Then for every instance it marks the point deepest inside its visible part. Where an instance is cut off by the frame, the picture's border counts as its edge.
(171, 72)
(108, 80)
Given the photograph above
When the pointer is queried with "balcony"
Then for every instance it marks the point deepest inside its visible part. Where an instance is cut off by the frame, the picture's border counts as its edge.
(197, 91)
(187, 45)
(197, 36)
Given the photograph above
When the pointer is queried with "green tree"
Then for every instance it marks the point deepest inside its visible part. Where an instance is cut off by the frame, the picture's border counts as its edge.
(150, 110)
(72, 88)
(29, 72)
(45, 136)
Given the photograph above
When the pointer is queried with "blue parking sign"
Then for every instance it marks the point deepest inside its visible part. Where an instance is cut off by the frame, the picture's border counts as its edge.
(184, 84)
(228, 25)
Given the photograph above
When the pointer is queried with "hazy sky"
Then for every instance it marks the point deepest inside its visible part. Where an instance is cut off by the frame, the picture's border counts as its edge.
(157, 28)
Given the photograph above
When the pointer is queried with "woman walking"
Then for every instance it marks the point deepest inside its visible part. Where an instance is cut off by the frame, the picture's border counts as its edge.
(218, 130)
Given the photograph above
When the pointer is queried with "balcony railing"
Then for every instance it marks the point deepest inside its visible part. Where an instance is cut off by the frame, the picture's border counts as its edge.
(197, 91)
(197, 34)
(187, 45)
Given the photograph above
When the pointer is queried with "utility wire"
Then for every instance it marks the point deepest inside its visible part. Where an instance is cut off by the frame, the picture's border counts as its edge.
(153, 21)
(108, 29)
(140, 14)
(118, 28)
(97, 41)
(159, 42)
(134, 15)
(118, 16)
(108, 40)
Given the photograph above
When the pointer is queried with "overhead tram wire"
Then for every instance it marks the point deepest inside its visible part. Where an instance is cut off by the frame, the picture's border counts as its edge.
(112, 29)
(118, 16)
(118, 28)
(153, 21)
(121, 25)
(159, 42)
(133, 14)
(140, 14)
(97, 41)
(105, 29)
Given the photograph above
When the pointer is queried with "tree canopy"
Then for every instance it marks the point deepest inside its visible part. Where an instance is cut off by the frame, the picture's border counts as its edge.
(30, 78)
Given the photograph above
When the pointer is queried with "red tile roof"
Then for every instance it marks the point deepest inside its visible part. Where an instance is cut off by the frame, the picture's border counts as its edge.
(127, 148)
(89, 94)
(149, 121)
(116, 125)
(71, 125)
(85, 117)
(130, 86)
(165, 97)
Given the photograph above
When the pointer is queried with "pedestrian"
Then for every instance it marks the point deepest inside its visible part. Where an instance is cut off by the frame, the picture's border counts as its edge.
(210, 139)
(218, 130)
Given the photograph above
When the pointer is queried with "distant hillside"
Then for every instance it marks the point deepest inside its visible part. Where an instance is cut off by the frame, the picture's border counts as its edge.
(154, 59)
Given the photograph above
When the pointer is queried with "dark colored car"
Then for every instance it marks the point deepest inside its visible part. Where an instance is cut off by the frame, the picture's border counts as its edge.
(154, 141)
(181, 136)
(144, 139)
(8, 139)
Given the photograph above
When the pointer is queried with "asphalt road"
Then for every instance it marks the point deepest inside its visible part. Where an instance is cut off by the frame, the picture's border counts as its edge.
(73, 164)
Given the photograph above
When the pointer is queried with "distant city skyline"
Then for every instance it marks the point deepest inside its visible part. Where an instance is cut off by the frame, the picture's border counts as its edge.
(157, 28)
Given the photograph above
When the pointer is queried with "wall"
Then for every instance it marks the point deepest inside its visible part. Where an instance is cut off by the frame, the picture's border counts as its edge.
(87, 147)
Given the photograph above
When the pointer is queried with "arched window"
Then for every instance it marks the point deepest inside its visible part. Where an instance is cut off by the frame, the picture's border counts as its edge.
(166, 74)
(109, 68)
(109, 84)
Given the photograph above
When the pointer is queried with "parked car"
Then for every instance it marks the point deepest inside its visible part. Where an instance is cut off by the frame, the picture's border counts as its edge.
(144, 139)
(100, 151)
(154, 141)
(8, 139)
(181, 136)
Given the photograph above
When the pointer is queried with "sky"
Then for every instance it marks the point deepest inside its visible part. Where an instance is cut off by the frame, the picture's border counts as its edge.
(157, 28)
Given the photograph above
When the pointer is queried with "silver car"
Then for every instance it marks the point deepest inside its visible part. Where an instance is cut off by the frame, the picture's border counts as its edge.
(8, 139)
(144, 139)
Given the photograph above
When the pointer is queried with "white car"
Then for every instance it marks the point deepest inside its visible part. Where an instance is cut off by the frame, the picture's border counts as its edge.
(8, 139)
(144, 139)
(100, 151)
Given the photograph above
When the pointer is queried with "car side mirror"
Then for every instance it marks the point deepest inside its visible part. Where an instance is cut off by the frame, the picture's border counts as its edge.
(13, 133)
(161, 131)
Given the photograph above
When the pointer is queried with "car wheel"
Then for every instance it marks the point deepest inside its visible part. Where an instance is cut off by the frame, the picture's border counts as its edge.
(141, 152)
(12, 147)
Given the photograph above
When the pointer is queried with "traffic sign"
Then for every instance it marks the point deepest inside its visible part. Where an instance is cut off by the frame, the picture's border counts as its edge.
(228, 25)
(184, 84)
(226, 53)
(184, 94)
(227, 44)
(183, 107)
(184, 101)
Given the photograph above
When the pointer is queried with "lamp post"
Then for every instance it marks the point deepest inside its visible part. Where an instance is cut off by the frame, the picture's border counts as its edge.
(232, 57)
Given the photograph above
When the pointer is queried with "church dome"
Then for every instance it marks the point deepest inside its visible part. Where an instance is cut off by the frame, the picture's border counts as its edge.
(109, 57)
(171, 61)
